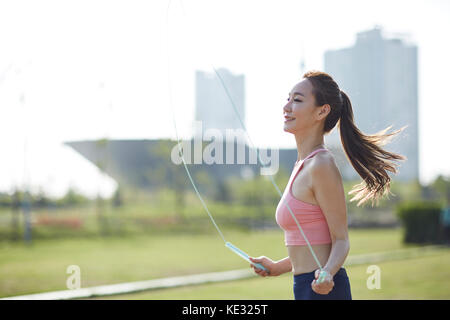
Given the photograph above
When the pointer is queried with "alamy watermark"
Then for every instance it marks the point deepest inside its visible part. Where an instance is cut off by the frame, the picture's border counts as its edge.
(374, 280)
(214, 152)
(74, 280)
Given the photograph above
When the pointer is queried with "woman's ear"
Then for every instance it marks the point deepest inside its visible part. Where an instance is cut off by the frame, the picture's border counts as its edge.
(324, 111)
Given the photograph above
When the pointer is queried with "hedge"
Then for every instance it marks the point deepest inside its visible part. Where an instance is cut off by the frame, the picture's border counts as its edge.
(421, 221)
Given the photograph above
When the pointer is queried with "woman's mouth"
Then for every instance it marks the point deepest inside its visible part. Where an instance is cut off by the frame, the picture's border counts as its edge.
(288, 119)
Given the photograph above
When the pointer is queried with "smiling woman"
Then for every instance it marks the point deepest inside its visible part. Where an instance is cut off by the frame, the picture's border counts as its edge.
(314, 199)
(325, 100)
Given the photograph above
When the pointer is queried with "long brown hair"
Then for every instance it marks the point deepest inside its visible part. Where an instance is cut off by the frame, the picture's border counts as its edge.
(362, 150)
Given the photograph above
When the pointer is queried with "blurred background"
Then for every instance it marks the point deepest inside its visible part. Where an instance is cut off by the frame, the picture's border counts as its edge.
(88, 92)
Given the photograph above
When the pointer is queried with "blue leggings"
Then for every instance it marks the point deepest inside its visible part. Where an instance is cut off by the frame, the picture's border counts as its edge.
(340, 291)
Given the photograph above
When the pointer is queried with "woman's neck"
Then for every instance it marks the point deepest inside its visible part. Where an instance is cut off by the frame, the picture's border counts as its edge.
(307, 144)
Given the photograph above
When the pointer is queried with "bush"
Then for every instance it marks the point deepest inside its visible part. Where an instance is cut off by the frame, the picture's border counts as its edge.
(421, 221)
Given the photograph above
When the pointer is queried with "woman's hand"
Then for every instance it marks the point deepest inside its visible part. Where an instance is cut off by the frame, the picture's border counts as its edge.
(325, 286)
(266, 263)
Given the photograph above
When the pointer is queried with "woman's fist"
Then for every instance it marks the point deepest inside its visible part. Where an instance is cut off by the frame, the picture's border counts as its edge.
(325, 286)
(266, 263)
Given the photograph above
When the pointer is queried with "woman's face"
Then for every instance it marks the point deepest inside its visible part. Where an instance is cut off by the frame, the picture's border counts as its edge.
(300, 110)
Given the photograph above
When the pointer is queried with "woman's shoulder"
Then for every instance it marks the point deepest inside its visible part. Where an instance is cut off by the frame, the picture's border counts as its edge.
(323, 164)
(323, 158)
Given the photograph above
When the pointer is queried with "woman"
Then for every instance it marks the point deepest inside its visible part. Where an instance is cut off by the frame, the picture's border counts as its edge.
(315, 193)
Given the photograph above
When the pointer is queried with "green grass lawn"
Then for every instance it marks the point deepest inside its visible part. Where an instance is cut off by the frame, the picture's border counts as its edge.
(418, 278)
(42, 266)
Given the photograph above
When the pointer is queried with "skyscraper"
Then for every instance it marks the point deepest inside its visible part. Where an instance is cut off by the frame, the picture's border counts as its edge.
(380, 77)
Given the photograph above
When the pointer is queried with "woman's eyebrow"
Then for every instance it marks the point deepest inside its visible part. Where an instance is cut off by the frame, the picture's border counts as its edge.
(298, 94)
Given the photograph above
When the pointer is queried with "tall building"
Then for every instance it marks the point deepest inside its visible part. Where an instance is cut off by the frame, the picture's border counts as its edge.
(380, 77)
(214, 108)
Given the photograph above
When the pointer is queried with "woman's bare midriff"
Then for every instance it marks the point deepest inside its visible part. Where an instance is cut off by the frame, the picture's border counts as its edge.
(302, 260)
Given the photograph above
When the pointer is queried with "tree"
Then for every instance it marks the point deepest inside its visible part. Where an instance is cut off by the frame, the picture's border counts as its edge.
(442, 186)
(117, 198)
(102, 219)
(165, 172)
(223, 192)
(16, 200)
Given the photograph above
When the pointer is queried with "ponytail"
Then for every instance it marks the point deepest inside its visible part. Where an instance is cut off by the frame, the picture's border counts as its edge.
(363, 151)
(366, 155)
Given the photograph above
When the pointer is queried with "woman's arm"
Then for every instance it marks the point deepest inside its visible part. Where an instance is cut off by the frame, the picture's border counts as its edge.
(284, 265)
(329, 193)
(275, 268)
(339, 251)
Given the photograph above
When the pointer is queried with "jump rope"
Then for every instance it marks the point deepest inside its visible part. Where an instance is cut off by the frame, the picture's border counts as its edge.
(228, 244)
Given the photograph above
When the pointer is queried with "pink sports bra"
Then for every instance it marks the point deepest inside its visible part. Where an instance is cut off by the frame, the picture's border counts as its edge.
(309, 216)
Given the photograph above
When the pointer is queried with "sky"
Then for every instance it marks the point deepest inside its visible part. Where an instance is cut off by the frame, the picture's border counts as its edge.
(84, 70)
